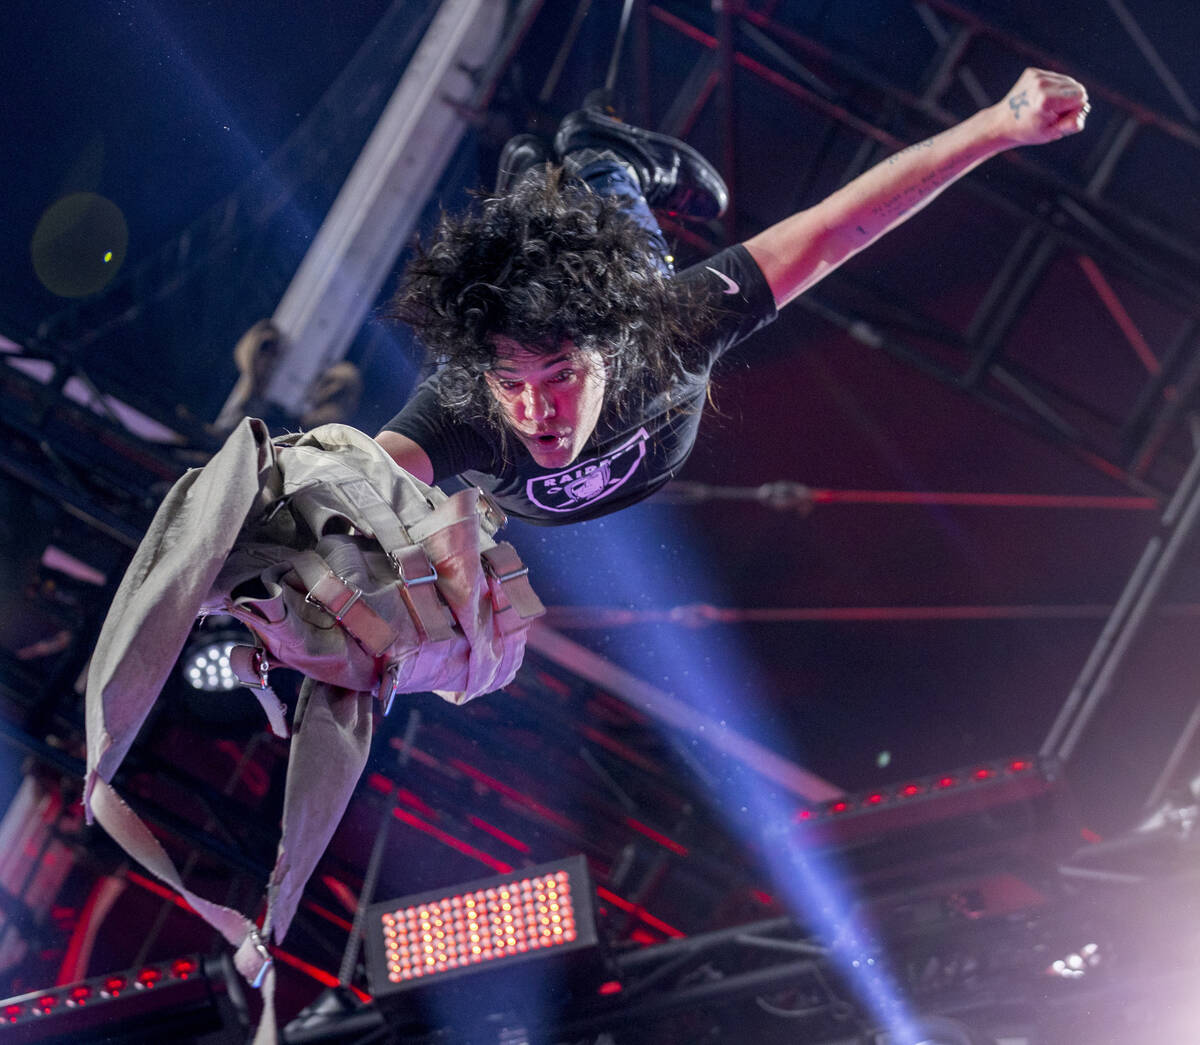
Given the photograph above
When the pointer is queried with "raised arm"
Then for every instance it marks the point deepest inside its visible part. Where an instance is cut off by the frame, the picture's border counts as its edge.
(801, 250)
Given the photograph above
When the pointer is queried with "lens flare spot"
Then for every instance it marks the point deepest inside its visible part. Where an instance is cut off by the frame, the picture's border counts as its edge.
(79, 244)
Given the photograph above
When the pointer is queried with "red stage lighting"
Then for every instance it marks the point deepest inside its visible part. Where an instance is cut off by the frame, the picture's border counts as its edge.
(148, 977)
(173, 996)
(928, 798)
(486, 924)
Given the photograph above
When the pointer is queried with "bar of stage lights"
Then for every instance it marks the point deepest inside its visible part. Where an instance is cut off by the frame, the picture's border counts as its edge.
(57, 1011)
(484, 923)
(926, 799)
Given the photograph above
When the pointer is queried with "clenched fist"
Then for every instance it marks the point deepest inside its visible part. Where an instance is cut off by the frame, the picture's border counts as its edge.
(1042, 107)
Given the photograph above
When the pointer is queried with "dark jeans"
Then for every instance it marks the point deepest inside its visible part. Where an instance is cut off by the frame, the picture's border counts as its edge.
(608, 177)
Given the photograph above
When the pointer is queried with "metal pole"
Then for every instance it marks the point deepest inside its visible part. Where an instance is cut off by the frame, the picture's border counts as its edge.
(727, 107)
(1128, 617)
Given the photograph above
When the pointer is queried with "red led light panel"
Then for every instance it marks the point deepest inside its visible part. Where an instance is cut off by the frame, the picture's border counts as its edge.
(517, 917)
(479, 926)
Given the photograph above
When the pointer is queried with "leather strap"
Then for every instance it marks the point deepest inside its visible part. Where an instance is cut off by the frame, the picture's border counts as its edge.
(249, 665)
(503, 563)
(343, 602)
(419, 590)
(417, 575)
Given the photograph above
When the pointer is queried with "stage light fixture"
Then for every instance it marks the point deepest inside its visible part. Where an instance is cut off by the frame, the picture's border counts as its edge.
(486, 925)
(959, 781)
(1076, 964)
(206, 664)
(208, 687)
(176, 998)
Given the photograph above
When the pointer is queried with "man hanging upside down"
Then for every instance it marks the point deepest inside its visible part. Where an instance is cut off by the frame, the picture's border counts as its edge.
(572, 365)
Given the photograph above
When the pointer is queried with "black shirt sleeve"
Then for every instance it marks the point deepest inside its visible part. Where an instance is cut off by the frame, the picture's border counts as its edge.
(452, 446)
(740, 296)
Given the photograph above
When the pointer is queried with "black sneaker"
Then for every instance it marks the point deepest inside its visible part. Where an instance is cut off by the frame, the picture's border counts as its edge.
(673, 175)
(519, 155)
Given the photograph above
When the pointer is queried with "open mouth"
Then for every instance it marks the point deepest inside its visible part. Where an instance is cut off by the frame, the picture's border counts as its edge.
(548, 439)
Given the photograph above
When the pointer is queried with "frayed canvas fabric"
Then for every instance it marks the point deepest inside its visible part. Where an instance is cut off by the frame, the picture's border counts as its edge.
(344, 567)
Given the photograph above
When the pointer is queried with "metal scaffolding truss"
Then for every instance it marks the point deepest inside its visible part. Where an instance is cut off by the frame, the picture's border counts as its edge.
(1061, 215)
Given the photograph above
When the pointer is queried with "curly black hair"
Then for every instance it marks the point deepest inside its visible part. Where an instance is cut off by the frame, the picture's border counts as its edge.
(548, 262)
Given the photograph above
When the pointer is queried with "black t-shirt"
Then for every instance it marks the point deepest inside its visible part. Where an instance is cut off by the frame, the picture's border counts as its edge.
(627, 458)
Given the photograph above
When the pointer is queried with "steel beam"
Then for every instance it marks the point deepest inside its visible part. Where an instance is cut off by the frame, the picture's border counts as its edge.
(1179, 522)
(374, 214)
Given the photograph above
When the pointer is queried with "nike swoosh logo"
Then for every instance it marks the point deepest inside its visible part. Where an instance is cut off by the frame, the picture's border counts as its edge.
(730, 286)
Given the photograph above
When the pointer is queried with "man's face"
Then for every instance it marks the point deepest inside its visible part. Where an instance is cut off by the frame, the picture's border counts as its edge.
(550, 402)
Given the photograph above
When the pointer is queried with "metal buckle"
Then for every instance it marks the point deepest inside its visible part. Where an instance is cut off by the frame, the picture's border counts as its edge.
(263, 665)
(392, 672)
(512, 575)
(355, 595)
(260, 949)
(412, 582)
(492, 511)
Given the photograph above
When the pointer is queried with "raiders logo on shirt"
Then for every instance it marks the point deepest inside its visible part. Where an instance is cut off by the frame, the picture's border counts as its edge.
(587, 481)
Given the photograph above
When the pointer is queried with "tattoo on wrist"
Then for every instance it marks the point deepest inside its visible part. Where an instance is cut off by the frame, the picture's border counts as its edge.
(1017, 102)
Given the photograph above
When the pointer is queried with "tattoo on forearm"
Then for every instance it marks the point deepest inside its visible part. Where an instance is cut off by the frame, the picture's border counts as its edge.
(1018, 102)
(900, 203)
(926, 144)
